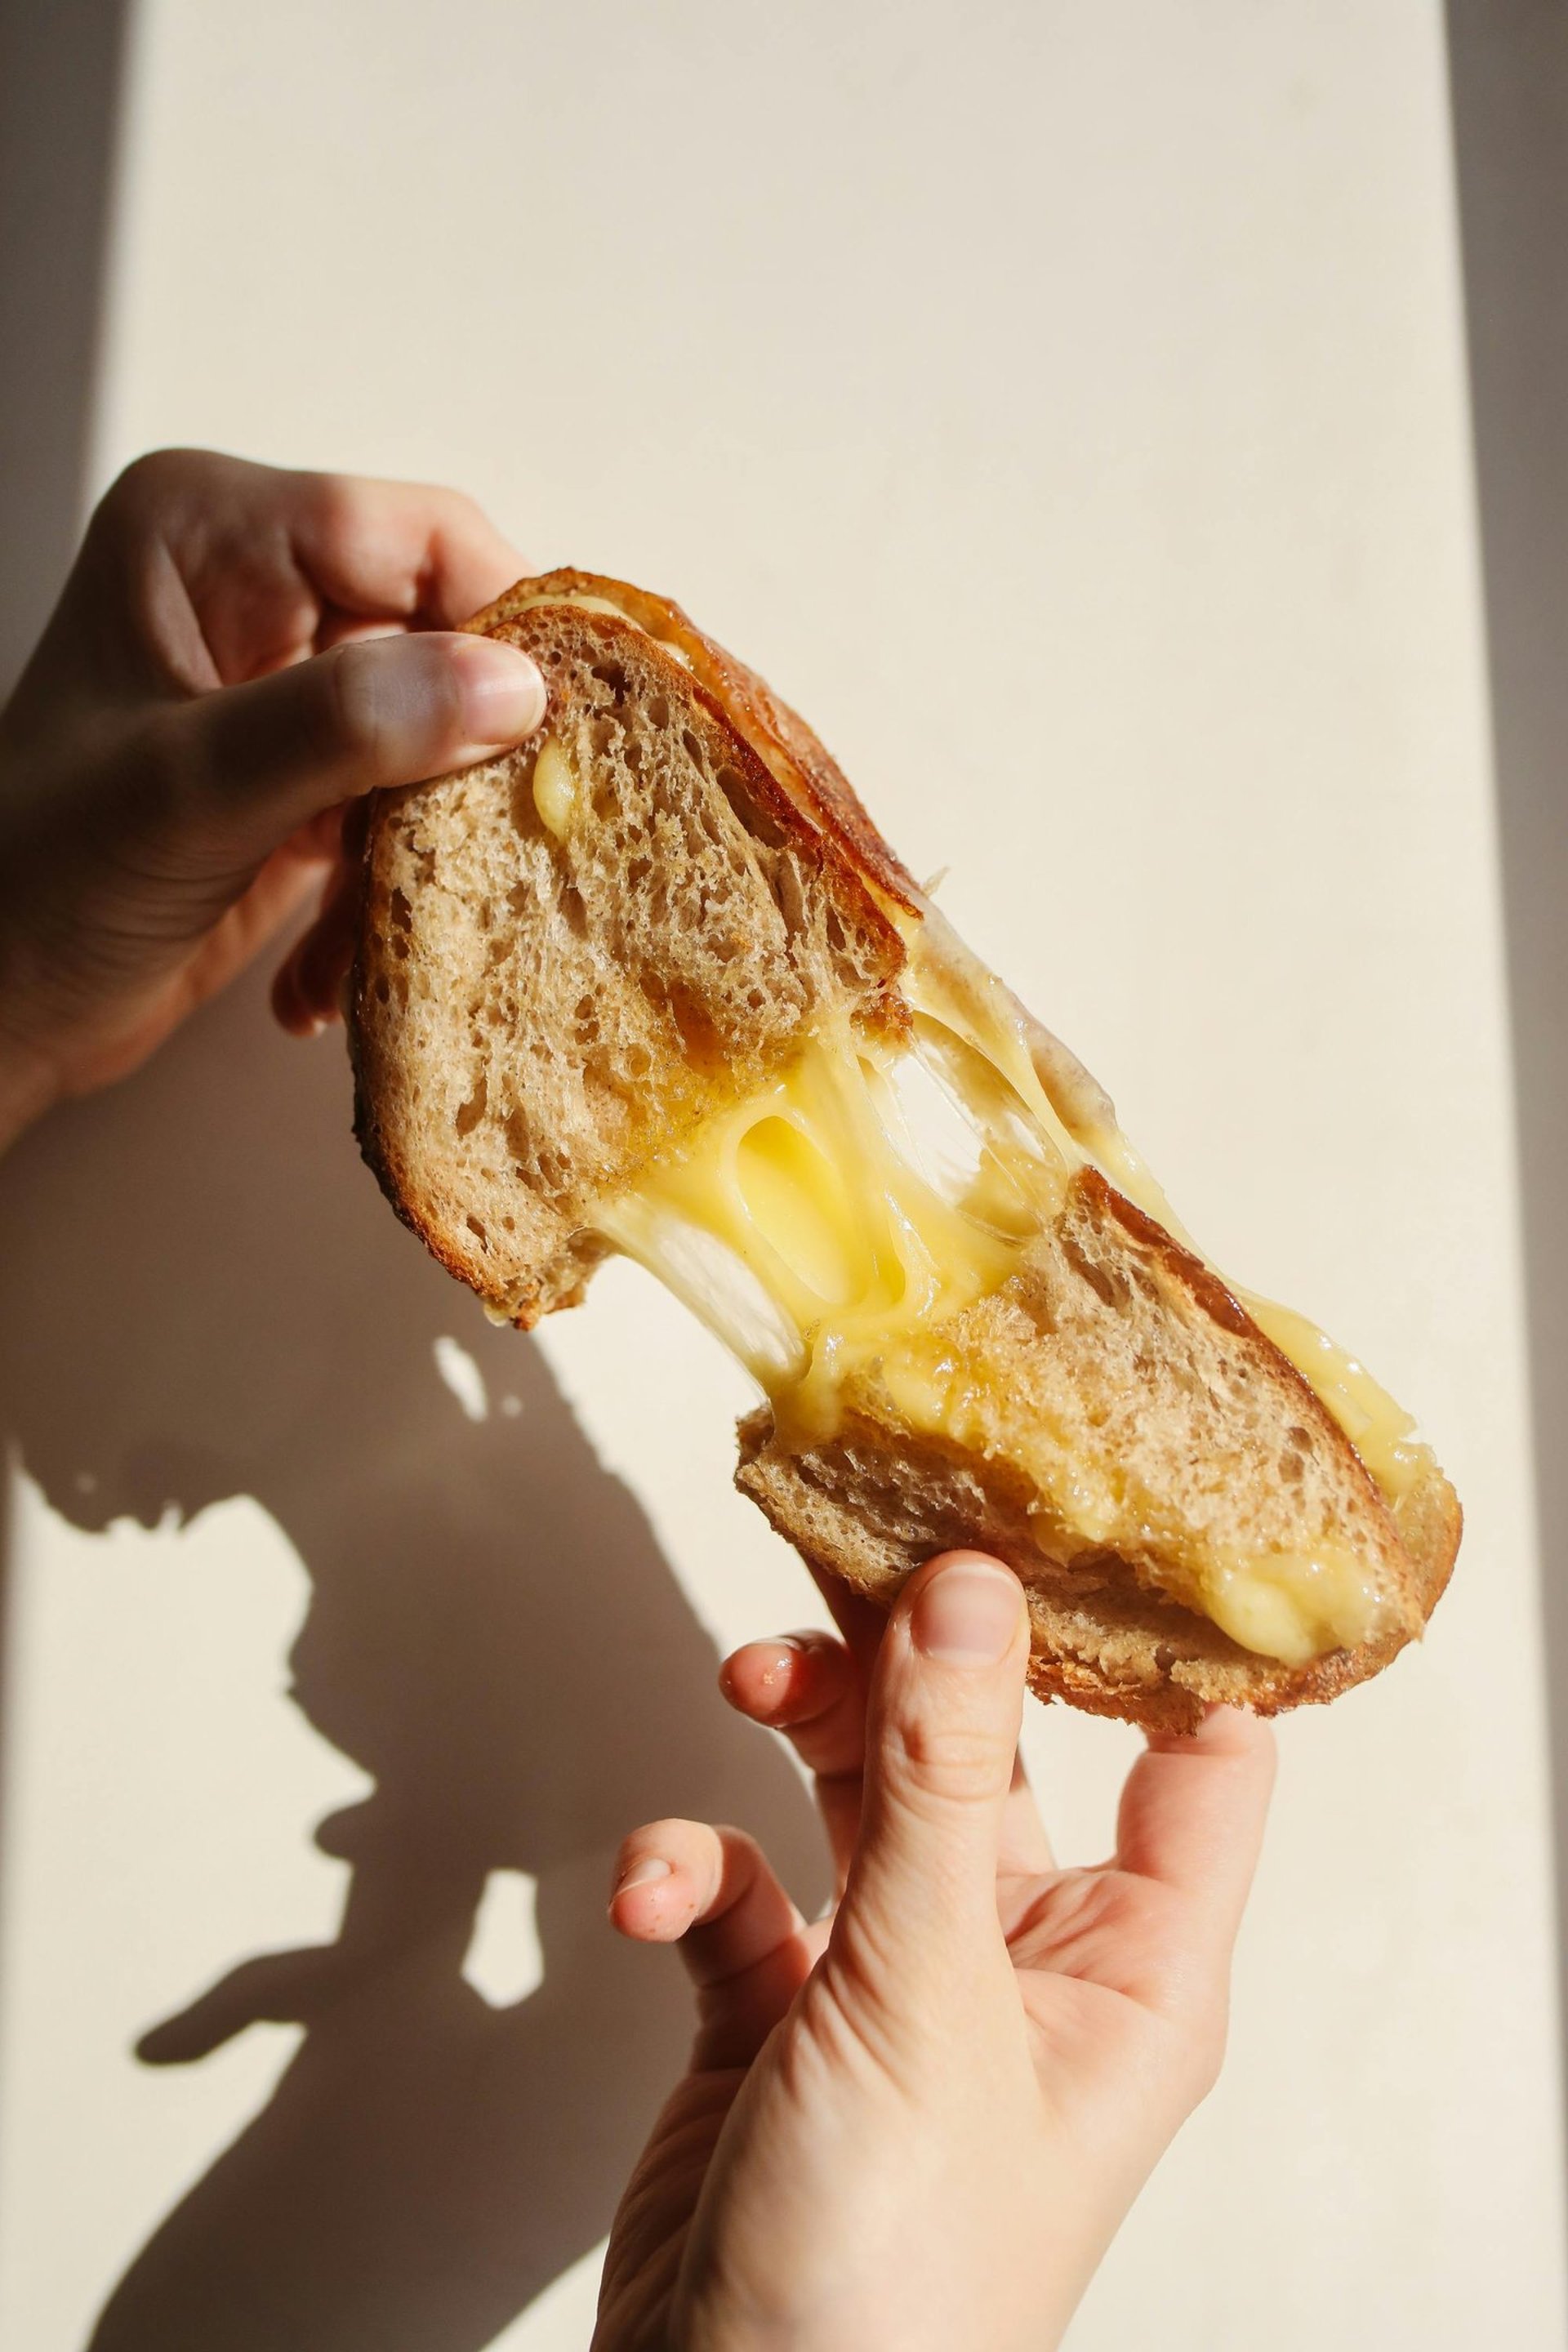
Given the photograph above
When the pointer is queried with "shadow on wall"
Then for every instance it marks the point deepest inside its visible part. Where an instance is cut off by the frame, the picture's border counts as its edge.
(60, 71)
(1508, 74)
(202, 1297)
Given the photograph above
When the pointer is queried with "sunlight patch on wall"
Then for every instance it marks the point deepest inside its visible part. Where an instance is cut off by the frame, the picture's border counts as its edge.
(460, 1373)
(504, 1962)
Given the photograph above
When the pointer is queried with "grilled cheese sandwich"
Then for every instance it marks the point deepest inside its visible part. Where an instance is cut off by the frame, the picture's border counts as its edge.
(758, 1062)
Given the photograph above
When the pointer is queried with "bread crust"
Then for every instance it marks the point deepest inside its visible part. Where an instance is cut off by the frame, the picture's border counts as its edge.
(868, 1505)
(819, 793)
(1160, 1667)
(1157, 1663)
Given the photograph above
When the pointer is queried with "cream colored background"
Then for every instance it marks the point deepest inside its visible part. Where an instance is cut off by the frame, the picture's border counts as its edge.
(1065, 407)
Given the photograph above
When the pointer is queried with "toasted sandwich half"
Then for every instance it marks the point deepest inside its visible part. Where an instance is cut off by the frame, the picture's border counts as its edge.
(654, 983)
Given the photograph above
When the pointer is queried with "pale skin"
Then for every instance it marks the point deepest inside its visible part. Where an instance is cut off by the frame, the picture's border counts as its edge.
(917, 2122)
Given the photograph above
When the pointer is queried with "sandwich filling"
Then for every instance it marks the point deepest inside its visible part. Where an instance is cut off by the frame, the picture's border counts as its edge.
(833, 1228)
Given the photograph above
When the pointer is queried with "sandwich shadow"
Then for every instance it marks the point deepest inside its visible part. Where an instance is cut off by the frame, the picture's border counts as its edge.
(493, 1635)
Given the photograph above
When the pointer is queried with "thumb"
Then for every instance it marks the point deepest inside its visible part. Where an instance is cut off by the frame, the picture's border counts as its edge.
(942, 1732)
(252, 763)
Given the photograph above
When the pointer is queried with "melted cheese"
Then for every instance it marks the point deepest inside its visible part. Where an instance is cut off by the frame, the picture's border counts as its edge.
(585, 603)
(1289, 1605)
(1293, 1605)
(814, 1189)
(985, 1011)
(809, 1231)
(804, 1227)
(1377, 1427)
(554, 788)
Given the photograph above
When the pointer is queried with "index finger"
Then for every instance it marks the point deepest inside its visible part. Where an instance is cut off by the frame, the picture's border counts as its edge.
(398, 550)
(809, 1687)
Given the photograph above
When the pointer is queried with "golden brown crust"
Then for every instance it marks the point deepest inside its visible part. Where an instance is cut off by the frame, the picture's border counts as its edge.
(378, 1148)
(817, 786)
(802, 801)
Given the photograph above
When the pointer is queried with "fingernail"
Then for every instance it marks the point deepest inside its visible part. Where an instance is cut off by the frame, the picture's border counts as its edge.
(501, 689)
(784, 1648)
(645, 1873)
(967, 1614)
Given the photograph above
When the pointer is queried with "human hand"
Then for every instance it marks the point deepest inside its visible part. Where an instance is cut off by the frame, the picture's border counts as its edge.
(238, 653)
(919, 2123)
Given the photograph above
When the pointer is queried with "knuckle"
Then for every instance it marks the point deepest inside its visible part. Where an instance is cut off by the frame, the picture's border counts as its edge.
(954, 1763)
(135, 481)
(1203, 2027)
(158, 781)
(450, 507)
(141, 491)
(158, 822)
(733, 1862)
(738, 1840)
(1207, 2059)
(660, 1833)
(330, 506)
(468, 515)
(348, 715)
(869, 1952)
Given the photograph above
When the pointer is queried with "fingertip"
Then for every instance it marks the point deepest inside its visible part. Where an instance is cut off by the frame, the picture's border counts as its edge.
(502, 696)
(1244, 1734)
(298, 1004)
(786, 1684)
(642, 1906)
(643, 1922)
(756, 1678)
(1224, 1731)
(966, 1609)
(1234, 1722)
(290, 1011)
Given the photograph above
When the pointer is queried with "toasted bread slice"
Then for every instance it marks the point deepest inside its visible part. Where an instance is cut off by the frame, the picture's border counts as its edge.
(654, 983)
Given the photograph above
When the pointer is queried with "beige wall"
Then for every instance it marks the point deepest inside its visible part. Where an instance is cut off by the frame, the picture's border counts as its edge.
(1065, 407)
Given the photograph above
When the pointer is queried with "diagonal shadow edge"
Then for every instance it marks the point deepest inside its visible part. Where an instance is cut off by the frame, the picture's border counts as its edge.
(1507, 72)
(62, 80)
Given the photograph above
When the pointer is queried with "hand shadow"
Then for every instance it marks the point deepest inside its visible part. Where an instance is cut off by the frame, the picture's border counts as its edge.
(492, 1634)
